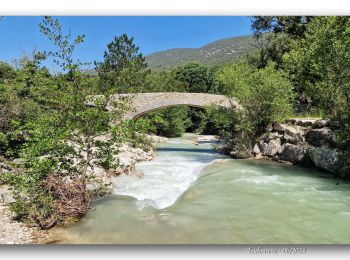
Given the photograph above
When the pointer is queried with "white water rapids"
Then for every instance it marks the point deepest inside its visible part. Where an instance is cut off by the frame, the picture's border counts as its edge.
(181, 201)
(169, 175)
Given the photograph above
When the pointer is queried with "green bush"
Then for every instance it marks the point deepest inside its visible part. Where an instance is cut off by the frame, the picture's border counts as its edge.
(265, 95)
(169, 122)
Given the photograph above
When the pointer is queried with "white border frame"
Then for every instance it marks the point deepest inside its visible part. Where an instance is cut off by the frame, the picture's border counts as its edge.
(167, 7)
(175, 7)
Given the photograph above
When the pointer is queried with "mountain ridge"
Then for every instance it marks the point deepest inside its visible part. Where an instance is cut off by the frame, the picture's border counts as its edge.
(215, 53)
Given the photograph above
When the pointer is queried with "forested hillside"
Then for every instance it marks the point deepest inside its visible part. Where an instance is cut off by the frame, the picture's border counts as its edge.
(216, 53)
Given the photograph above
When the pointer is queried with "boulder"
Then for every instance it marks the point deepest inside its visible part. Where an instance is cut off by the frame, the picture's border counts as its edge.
(129, 156)
(269, 127)
(241, 154)
(291, 133)
(290, 129)
(320, 124)
(324, 158)
(305, 122)
(271, 148)
(265, 137)
(6, 195)
(293, 153)
(272, 135)
(293, 138)
(280, 127)
(320, 137)
(256, 149)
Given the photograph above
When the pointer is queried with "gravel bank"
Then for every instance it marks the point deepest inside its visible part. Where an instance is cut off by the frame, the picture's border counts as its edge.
(13, 232)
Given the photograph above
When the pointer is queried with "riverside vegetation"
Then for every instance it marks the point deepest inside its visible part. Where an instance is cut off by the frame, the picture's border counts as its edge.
(52, 143)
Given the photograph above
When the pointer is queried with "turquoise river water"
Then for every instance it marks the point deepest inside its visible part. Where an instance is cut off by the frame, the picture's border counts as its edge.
(192, 195)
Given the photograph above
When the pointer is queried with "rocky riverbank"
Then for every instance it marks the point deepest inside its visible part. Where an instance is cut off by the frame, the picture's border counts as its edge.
(99, 184)
(309, 142)
(100, 179)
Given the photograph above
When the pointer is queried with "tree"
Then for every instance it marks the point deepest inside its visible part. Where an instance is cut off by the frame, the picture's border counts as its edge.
(60, 140)
(196, 78)
(294, 26)
(320, 64)
(17, 103)
(163, 81)
(7, 72)
(169, 122)
(123, 68)
(265, 95)
(276, 35)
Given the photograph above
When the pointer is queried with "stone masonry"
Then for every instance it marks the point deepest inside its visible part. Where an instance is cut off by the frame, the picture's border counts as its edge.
(142, 103)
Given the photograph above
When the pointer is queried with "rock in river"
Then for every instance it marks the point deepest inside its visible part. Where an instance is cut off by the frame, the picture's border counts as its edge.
(293, 153)
(324, 158)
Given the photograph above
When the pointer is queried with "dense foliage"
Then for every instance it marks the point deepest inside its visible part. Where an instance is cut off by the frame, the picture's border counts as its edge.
(47, 130)
(45, 121)
(265, 96)
(320, 65)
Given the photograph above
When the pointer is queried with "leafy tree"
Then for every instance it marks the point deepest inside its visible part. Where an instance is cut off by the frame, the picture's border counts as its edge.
(169, 122)
(294, 26)
(265, 95)
(124, 68)
(196, 78)
(163, 81)
(198, 118)
(320, 65)
(18, 104)
(7, 72)
(65, 45)
(60, 138)
(276, 35)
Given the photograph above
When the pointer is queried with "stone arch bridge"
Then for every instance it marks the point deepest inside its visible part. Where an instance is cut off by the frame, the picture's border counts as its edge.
(142, 103)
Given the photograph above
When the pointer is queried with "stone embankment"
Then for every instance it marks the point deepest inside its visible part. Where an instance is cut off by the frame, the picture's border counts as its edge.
(300, 141)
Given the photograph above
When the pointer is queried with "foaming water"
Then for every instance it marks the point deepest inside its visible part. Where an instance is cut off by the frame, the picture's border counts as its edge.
(183, 200)
(175, 168)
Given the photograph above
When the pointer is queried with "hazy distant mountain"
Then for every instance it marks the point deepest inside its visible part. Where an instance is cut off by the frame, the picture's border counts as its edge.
(218, 52)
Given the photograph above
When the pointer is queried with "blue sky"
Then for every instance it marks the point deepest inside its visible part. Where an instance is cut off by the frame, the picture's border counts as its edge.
(20, 35)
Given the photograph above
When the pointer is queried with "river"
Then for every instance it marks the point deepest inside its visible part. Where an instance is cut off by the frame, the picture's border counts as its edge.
(192, 195)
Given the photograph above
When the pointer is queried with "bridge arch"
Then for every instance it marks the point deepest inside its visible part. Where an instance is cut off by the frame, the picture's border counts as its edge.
(142, 103)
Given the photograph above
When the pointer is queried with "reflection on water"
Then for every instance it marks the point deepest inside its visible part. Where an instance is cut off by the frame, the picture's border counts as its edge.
(232, 201)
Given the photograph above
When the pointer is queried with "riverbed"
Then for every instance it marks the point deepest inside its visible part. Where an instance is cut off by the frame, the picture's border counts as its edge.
(190, 194)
